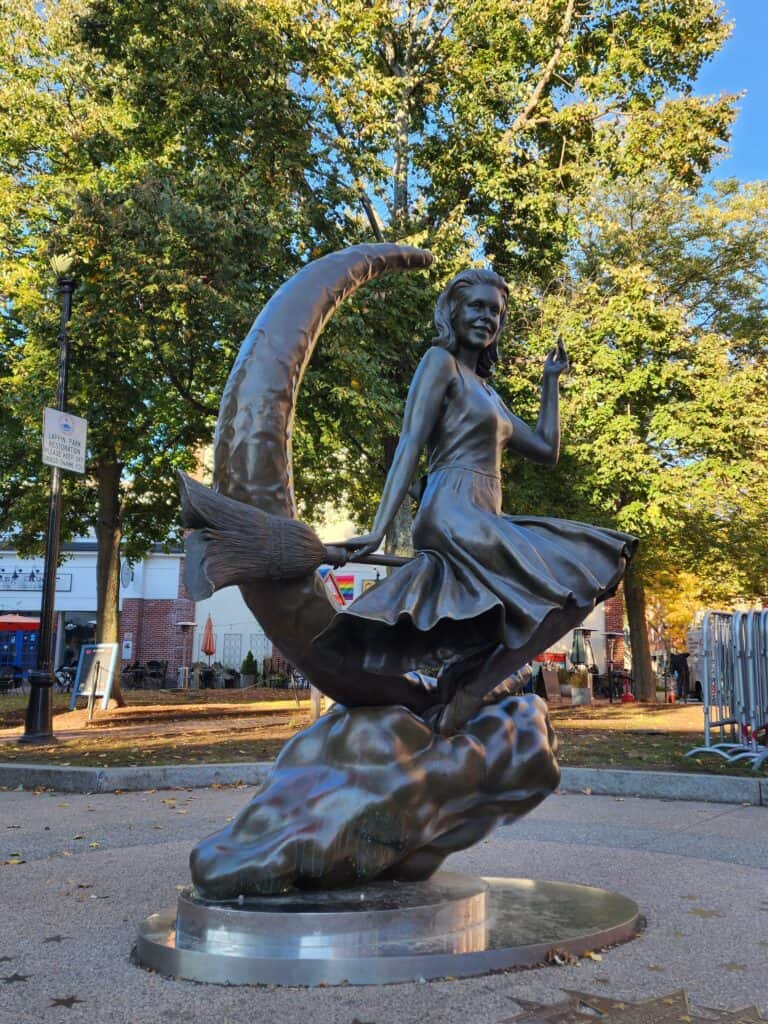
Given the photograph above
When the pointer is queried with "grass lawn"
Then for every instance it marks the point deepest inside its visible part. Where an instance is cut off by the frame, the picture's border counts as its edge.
(166, 727)
(13, 705)
(638, 752)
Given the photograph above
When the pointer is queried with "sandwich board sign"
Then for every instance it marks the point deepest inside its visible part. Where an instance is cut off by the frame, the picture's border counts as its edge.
(95, 673)
(64, 439)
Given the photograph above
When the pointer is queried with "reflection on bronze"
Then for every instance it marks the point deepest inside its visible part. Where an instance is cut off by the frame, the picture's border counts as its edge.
(484, 594)
(369, 794)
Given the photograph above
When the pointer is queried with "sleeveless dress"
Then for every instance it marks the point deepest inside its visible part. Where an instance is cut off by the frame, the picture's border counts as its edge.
(479, 578)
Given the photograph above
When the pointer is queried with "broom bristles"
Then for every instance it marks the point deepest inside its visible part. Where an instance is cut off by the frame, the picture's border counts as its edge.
(234, 543)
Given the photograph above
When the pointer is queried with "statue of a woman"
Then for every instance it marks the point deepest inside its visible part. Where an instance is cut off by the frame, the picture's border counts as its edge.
(372, 790)
(486, 592)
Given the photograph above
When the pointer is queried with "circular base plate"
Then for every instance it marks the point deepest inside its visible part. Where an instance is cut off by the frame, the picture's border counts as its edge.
(360, 944)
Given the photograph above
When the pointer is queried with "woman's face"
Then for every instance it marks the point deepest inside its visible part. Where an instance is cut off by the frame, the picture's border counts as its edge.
(477, 317)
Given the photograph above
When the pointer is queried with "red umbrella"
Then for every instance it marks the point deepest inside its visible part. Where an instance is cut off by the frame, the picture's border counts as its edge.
(208, 640)
(10, 623)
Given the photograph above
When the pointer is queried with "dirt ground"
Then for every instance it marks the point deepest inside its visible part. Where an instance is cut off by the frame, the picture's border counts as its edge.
(666, 718)
(253, 725)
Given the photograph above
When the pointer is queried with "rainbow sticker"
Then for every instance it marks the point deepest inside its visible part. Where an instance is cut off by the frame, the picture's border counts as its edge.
(346, 584)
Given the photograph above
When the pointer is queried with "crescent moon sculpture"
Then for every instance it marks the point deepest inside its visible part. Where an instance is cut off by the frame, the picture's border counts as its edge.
(252, 465)
(370, 790)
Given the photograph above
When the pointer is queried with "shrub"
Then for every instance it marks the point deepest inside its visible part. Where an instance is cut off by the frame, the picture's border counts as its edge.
(249, 666)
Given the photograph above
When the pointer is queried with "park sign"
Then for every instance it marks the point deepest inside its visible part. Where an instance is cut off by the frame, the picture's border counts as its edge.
(64, 437)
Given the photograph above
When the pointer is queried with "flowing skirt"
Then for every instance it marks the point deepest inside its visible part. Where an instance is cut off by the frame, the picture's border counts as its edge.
(479, 579)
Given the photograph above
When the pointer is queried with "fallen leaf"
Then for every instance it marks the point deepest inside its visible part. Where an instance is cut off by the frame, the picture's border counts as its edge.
(592, 956)
(558, 956)
(94, 846)
(587, 791)
(68, 1001)
(14, 861)
(78, 836)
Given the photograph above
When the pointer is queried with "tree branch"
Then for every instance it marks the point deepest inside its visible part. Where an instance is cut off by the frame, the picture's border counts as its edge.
(523, 118)
(184, 391)
(370, 213)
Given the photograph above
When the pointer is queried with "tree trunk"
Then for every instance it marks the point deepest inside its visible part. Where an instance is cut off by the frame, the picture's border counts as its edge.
(399, 539)
(400, 173)
(634, 595)
(109, 533)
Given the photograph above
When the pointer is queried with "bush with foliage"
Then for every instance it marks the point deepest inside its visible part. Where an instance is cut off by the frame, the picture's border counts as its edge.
(249, 666)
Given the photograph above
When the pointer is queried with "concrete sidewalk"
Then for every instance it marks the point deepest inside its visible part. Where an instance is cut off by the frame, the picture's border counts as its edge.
(95, 866)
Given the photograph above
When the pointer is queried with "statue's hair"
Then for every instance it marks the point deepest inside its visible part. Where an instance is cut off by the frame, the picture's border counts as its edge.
(446, 306)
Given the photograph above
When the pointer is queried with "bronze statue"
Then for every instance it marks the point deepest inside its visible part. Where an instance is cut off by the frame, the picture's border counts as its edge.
(486, 592)
(387, 785)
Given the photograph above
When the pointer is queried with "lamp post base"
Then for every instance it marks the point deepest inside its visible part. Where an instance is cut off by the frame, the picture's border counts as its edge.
(38, 726)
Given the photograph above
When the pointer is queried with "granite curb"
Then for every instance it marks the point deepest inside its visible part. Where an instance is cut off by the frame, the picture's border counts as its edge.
(726, 789)
(720, 789)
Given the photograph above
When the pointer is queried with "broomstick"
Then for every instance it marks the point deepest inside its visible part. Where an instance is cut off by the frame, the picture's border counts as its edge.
(233, 543)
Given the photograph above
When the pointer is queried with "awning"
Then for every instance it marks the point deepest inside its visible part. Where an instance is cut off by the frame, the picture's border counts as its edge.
(12, 623)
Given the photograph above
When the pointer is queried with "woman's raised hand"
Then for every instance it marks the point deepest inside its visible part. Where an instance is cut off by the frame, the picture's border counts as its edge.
(557, 360)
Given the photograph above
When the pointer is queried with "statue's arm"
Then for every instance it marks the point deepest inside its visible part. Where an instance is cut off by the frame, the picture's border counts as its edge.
(427, 392)
(542, 444)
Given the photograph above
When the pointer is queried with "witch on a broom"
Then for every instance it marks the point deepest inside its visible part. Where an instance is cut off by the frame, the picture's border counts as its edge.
(485, 591)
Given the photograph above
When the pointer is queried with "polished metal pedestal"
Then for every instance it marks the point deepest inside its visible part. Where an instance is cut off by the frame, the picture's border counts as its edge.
(449, 926)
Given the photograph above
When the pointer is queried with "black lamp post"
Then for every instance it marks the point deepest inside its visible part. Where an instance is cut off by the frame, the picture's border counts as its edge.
(38, 726)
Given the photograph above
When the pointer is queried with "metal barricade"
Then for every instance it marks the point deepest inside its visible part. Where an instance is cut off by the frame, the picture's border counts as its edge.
(735, 686)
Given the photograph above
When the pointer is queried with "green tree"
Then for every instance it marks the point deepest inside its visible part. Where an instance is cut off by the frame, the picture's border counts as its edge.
(472, 129)
(164, 148)
(665, 315)
(193, 155)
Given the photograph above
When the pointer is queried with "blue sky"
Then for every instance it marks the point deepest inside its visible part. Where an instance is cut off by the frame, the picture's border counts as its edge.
(743, 64)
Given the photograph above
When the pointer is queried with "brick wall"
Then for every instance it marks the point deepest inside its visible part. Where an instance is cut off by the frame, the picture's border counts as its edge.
(153, 630)
(614, 623)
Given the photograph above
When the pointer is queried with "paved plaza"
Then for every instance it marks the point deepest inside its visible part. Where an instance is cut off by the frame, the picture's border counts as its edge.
(95, 865)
